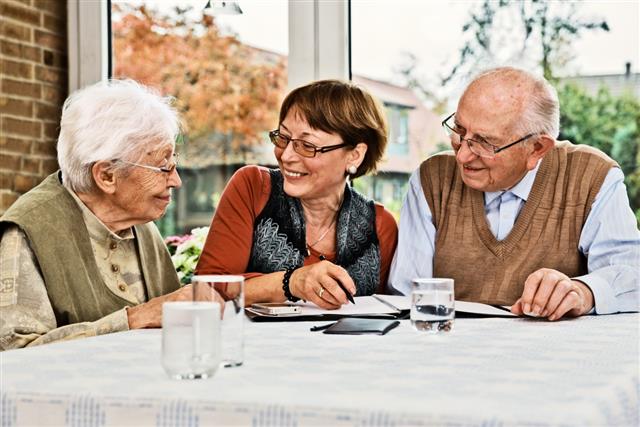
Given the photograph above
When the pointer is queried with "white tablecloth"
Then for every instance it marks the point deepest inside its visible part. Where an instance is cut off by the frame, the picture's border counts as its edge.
(488, 372)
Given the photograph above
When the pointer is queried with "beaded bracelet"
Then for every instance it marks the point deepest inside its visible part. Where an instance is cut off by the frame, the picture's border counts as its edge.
(285, 284)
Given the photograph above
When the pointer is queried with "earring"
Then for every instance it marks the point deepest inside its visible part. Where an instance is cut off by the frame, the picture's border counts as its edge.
(351, 170)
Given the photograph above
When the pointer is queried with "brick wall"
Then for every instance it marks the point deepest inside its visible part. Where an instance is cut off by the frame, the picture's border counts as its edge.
(33, 86)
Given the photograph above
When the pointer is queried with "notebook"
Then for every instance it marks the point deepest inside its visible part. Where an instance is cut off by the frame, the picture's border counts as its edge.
(355, 326)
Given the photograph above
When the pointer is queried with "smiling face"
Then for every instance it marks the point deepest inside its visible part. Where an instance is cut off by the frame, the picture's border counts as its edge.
(144, 194)
(319, 177)
(490, 110)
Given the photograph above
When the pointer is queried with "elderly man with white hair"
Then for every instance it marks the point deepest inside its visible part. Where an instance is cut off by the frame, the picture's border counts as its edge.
(516, 217)
(79, 255)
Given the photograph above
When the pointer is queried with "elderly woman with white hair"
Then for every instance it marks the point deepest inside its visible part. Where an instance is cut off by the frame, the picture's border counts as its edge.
(79, 253)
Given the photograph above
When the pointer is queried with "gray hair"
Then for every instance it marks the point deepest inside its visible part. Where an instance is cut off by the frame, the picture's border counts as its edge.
(116, 119)
(541, 114)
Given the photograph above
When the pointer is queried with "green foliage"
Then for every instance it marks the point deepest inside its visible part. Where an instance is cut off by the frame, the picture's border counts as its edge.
(535, 29)
(167, 223)
(363, 186)
(609, 123)
(441, 146)
(394, 206)
(185, 252)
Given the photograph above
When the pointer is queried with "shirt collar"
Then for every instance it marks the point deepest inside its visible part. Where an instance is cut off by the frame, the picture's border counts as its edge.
(96, 228)
(521, 189)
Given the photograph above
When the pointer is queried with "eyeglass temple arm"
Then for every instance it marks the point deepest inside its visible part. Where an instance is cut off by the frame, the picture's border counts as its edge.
(497, 150)
(444, 122)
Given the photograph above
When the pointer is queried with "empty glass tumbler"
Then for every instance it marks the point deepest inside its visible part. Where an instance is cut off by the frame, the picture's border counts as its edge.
(231, 289)
(191, 339)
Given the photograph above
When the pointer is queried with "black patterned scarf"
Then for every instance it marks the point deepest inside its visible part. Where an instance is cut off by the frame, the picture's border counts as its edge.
(279, 236)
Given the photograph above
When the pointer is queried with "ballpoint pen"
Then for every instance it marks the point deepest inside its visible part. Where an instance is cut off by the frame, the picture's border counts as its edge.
(346, 292)
(321, 327)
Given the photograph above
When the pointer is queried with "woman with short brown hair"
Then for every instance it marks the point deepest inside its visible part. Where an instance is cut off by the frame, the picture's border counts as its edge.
(300, 231)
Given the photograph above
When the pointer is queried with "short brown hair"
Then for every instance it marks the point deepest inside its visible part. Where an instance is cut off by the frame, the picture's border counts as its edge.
(345, 109)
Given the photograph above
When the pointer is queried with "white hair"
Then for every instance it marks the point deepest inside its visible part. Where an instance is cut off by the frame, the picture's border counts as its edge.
(107, 121)
(541, 114)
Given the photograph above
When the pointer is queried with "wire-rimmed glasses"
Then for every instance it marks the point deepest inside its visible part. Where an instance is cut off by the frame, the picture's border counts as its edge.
(161, 169)
(300, 146)
(477, 146)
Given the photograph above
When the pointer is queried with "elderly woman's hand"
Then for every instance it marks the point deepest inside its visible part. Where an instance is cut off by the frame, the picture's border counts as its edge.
(318, 283)
(149, 314)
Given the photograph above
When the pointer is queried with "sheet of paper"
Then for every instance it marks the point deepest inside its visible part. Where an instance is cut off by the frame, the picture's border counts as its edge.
(384, 304)
(478, 308)
(363, 305)
(403, 302)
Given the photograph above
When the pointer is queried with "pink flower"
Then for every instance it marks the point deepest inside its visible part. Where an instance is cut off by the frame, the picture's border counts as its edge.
(177, 240)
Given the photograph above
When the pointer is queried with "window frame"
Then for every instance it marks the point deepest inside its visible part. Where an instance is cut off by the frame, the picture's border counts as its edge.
(88, 35)
(319, 41)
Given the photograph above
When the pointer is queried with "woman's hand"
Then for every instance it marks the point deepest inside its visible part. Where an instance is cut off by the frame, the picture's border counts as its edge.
(318, 283)
(149, 314)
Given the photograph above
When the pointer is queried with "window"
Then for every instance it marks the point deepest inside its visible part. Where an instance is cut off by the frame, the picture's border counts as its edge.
(428, 50)
(228, 74)
(398, 122)
(405, 54)
(257, 45)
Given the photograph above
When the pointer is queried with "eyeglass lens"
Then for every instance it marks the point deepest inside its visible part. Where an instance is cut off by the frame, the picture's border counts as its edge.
(299, 146)
(170, 167)
(478, 148)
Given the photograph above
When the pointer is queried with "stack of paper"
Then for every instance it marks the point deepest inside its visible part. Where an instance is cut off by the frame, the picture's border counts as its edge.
(378, 305)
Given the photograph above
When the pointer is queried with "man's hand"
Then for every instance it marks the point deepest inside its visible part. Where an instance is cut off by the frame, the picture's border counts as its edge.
(552, 294)
(149, 314)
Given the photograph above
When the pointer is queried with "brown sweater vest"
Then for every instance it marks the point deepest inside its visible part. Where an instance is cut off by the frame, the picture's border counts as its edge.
(545, 234)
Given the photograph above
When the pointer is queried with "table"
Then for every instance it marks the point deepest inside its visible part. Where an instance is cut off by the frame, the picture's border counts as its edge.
(488, 372)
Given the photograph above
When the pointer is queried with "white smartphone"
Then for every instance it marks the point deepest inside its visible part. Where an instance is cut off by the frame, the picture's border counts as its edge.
(276, 308)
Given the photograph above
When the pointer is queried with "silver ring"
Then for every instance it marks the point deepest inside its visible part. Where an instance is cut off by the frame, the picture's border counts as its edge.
(321, 292)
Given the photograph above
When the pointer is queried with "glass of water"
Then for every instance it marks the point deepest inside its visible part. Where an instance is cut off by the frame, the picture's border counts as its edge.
(231, 289)
(432, 305)
(191, 339)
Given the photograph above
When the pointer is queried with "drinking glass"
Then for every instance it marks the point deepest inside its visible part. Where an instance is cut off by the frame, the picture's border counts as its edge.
(432, 305)
(191, 339)
(231, 289)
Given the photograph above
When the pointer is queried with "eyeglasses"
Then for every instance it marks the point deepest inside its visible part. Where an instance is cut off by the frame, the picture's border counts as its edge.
(300, 146)
(478, 147)
(162, 169)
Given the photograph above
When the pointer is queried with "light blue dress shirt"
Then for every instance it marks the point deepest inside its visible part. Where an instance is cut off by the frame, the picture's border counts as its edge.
(610, 239)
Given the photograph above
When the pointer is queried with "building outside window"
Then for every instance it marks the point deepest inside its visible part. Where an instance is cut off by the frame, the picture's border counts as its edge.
(398, 116)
